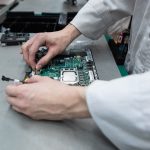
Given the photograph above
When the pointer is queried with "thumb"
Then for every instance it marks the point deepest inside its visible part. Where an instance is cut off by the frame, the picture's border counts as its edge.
(34, 79)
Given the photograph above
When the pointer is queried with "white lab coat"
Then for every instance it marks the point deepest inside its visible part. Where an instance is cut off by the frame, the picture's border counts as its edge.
(121, 107)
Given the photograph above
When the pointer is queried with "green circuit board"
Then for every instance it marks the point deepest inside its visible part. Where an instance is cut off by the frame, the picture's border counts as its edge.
(74, 68)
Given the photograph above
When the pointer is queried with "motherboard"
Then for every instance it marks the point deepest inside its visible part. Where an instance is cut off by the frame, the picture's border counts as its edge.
(74, 67)
(9, 38)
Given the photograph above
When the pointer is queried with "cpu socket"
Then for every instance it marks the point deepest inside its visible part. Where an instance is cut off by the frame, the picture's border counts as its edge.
(69, 76)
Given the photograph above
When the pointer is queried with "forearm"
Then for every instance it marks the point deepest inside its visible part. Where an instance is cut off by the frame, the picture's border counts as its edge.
(71, 105)
(77, 107)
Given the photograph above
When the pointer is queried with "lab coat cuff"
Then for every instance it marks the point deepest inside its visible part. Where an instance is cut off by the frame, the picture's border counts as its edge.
(91, 23)
(93, 97)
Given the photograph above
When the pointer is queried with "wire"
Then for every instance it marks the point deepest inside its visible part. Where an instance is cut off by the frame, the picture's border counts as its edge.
(4, 78)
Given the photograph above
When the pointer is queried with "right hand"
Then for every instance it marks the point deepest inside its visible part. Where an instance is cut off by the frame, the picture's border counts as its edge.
(56, 42)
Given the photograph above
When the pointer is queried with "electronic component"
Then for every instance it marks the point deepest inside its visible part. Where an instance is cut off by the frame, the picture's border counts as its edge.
(119, 46)
(74, 67)
(42, 52)
(9, 79)
(72, 2)
(9, 38)
(28, 75)
(62, 19)
(91, 75)
(69, 76)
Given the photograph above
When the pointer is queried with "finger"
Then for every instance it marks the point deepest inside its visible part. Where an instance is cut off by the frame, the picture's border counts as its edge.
(12, 101)
(28, 43)
(34, 79)
(20, 110)
(16, 109)
(25, 49)
(33, 49)
(12, 90)
(20, 103)
(44, 60)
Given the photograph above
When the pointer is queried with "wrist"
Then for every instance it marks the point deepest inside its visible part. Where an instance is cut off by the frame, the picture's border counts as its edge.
(72, 32)
(77, 105)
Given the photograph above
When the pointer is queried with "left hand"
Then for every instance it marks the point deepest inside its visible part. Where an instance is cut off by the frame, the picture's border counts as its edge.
(45, 98)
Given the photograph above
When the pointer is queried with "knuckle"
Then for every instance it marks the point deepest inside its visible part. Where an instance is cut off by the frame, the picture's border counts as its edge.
(36, 35)
(21, 92)
(46, 78)
(39, 35)
(23, 47)
(23, 105)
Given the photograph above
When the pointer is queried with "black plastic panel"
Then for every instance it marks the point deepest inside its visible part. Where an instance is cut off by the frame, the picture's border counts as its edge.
(28, 22)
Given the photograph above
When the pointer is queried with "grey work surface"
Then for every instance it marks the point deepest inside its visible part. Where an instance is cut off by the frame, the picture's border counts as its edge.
(18, 132)
(48, 6)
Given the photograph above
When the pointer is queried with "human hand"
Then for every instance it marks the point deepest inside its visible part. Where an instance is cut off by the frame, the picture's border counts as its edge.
(45, 98)
(56, 42)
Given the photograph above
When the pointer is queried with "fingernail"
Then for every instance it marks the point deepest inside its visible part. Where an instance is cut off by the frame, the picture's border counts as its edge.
(38, 66)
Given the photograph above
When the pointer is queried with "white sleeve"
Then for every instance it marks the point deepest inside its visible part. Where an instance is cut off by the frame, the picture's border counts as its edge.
(121, 109)
(97, 15)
